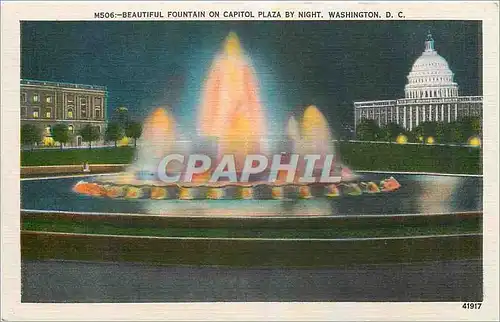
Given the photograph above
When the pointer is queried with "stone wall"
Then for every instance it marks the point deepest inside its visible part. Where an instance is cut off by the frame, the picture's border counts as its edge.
(70, 169)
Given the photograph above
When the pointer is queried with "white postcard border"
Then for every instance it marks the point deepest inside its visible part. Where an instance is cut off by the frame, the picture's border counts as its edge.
(13, 309)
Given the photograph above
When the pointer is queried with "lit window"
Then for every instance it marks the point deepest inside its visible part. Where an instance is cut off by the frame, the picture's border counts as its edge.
(35, 114)
(48, 130)
(70, 114)
(36, 98)
(70, 128)
(48, 99)
(47, 114)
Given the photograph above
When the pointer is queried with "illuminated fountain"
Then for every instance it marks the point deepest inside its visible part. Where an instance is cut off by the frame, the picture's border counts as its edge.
(232, 122)
(231, 110)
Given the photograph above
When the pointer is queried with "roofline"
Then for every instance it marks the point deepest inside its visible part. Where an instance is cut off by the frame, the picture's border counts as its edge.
(26, 81)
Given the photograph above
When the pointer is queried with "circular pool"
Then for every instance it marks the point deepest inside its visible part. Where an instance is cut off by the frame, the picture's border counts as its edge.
(419, 194)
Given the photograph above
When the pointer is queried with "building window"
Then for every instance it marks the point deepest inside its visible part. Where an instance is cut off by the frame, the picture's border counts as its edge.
(35, 114)
(48, 130)
(70, 113)
(71, 129)
(70, 98)
(48, 99)
(36, 98)
(23, 97)
(24, 111)
(98, 102)
(48, 113)
(97, 113)
(83, 107)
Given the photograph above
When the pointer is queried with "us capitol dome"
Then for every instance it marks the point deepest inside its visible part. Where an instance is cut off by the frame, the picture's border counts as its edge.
(431, 94)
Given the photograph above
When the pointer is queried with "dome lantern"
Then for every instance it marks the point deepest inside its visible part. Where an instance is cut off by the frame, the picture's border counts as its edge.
(429, 42)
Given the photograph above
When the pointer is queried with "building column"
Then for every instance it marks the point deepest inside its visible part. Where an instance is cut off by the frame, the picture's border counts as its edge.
(456, 111)
(397, 114)
(449, 113)
(404, 117)
(417, 115)
(411, 117)
(64, 107)
(442, 113)
(437, 113)
(423, 112)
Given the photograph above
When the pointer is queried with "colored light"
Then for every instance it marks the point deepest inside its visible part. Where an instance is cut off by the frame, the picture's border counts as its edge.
(401, 139)
(230, 109)
(474, 141)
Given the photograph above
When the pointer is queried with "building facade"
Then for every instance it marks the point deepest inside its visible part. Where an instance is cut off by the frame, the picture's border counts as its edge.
(46, 104)
(430, 95)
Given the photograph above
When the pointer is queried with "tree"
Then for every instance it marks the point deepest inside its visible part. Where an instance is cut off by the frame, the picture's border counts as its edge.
(424, 130)
(391, 131)
(367, 130)
(121, 116)
(30, 134)
(440, 132)
(114, 132)
(60, 133)
(90, 133)
(470, 126)
(453, 133)
(134, 130)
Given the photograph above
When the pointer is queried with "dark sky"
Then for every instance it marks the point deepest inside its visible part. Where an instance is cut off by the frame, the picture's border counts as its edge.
(330, 64)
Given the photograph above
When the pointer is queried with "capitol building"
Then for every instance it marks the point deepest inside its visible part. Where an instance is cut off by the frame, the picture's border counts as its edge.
(430, 95)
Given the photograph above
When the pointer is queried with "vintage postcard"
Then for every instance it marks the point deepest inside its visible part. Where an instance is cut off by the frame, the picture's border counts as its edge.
(250, 160)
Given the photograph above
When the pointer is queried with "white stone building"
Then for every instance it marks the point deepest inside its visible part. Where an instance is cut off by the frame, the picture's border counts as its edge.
(430, 95)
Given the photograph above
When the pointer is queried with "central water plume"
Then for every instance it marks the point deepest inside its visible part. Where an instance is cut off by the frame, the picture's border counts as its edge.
(230, 109)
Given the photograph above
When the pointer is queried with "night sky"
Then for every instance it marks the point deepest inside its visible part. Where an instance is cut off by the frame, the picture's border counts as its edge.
(330, 64)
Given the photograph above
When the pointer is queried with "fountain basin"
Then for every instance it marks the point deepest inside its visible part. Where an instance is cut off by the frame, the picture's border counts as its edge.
(224, 190)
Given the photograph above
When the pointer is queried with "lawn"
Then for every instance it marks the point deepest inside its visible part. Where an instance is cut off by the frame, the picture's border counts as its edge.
(119, 155)
(359, 156)
(320, 233)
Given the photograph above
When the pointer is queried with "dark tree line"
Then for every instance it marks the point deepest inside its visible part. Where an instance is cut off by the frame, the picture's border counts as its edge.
(32, 134)
(457, 132)
(116, 131)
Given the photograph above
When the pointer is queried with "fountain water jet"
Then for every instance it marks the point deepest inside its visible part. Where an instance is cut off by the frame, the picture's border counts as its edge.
(230, 110)
(232, 117)
(158, 140)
